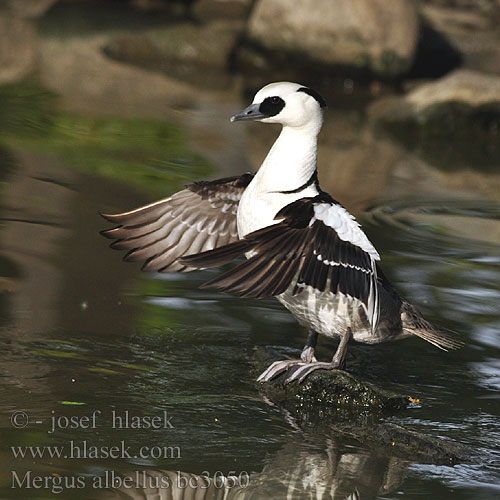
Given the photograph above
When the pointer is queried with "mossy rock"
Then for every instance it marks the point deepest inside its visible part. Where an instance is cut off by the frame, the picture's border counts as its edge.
(349, 409)
(326, 393)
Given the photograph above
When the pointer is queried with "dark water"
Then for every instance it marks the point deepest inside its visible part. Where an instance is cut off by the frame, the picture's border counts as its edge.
(84, 335)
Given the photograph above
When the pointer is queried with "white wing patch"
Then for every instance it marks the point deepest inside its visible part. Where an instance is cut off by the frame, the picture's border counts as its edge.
(345, 225)
(348, 229)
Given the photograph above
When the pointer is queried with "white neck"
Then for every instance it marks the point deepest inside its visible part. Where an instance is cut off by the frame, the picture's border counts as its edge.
(288, 166)
(291, 161)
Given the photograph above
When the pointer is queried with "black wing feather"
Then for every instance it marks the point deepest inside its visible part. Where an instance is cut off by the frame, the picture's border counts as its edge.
(299, 247)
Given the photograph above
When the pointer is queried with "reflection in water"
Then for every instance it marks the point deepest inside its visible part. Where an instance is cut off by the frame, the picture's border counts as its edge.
(154, 484)
(33, 225)
(329, 469)
(34, 211)
(302, 469)
(478, 221)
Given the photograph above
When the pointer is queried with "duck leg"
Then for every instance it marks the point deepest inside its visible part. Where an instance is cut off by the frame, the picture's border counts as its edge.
(306, 357)
(307, 354)
(300, 372)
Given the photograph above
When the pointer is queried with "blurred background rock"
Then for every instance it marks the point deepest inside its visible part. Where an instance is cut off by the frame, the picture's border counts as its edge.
(401, 68)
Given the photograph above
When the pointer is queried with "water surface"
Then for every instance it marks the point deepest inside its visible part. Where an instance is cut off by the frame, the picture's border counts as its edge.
(84, 334)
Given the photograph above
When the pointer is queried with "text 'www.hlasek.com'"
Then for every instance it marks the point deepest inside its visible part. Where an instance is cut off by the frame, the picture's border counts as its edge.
(24, 477)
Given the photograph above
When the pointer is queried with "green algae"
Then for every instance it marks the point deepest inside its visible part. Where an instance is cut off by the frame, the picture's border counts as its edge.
(150, 155)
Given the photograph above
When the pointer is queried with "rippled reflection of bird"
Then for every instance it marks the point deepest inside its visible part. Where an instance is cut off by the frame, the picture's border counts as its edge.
(302, 246)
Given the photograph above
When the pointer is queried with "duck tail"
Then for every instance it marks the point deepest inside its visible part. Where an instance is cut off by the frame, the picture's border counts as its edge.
(414, 323)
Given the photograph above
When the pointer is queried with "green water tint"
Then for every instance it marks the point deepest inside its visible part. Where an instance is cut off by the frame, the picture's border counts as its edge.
(147, 154)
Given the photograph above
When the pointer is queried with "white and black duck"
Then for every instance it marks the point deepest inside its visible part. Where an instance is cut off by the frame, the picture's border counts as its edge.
(302, 246)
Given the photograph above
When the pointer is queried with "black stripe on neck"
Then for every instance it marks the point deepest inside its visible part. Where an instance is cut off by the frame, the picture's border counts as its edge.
(313, 180)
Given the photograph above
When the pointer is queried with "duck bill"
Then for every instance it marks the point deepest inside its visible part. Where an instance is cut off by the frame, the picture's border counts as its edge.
(250, 113)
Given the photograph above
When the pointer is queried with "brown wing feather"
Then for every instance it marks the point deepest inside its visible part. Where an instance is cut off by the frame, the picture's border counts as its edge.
(196, 219)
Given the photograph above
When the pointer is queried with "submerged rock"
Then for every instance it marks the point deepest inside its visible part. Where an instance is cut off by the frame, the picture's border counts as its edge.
(460, 111)
(87, 81)
(368, 35)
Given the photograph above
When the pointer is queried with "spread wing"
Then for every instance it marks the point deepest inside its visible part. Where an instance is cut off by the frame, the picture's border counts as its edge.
(198, 218)
(316, 244)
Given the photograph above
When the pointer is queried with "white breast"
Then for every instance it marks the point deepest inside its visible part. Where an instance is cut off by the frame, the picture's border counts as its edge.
(258, 207)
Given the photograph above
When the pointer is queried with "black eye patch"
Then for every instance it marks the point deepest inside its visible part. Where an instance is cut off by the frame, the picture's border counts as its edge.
(271, 106)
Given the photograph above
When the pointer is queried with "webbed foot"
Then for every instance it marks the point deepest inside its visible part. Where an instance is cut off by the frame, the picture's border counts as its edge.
(300, 372)
(277, 368)
(301, 368)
